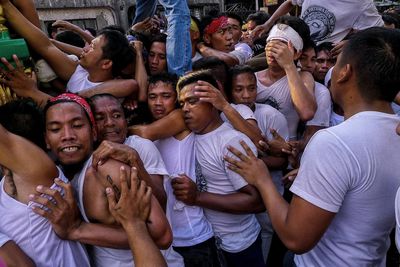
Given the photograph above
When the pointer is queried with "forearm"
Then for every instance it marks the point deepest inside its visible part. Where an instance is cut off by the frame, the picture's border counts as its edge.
(282, 10)
(236, 203)
(28, 9)
(158, 226)
(275, 163)
(141, 77)
(144, 250)
(156, 185)
(67, 48)
(100, 235)
(119, 88)
(206, 51)
(303, 100)
(13, 256)
(87, 37)
(242, 125)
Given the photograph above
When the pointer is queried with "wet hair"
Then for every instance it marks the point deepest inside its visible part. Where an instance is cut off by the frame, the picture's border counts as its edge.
(164, 77)
(233, 73)
(391, 18)
(24, 118)
(298, 25)
(258, 17)
(113, 28)
(193, 77)
(160, 38)
(97, 96)
(71, 38)
(309, 44)
(218, 67)
(374, 55)
(118, 50)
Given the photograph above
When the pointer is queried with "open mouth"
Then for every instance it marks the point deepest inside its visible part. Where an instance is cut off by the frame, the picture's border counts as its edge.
(69, 149)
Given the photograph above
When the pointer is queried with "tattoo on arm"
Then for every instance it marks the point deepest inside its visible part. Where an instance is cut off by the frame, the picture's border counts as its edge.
(114, 187)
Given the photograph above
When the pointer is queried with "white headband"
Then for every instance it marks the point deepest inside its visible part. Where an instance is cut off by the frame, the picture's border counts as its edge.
(286, 33)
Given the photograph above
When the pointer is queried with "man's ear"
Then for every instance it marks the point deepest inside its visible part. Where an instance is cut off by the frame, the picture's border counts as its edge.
(207, 38)
(345, 73)
(106, 64)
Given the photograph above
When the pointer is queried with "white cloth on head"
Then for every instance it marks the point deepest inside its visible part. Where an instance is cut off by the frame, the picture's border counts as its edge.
(286, 33)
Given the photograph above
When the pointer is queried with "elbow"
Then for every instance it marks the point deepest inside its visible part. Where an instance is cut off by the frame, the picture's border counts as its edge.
(132, 87)
(165, 241)
(298, 247)
(307, 115)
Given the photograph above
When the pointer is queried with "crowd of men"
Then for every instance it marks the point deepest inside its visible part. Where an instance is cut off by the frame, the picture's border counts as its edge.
(220, 142)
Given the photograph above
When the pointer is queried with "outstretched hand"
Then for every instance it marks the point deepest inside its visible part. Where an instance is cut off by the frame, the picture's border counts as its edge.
(135, 201)
(248, 166)
(62, 212)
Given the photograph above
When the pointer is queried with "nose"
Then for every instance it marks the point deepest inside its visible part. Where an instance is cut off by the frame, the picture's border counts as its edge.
(245, 94)
(185, 107)
(68, 133)
(154, 60)
(109, 121)
(158, 101)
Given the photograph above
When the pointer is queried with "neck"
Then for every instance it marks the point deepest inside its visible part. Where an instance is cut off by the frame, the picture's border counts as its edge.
(99, 76)
(212, 125)
(70, 170)
(275, 73)
(377, 105)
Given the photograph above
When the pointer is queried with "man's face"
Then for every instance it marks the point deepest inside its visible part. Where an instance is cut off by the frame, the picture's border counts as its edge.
(222, 39)
(197, 114)
(93, 53)
(251, 24)
(157, 58)
(161, 99)
(244, 89)
(323, 64)
(110, 120)
(68, 133)
(307, 60)
(236, 29)
(270, 58)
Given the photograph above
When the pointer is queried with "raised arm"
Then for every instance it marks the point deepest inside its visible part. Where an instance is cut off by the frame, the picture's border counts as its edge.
(140, 71)
(170, 125)
(63, 66)
(117, 87)
(282, 10)
(206, 51)
(67, 48)
(37, 168)
(87, 37)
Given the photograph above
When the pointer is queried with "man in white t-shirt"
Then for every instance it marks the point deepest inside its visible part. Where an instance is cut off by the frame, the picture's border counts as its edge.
(330, 21)
(281, 85)
(228, 201)
(342, 211)
(101, 62)
(193, 234)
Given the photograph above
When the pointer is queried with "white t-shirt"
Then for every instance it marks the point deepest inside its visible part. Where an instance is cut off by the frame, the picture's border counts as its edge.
(324, 106)
(331, 21)
(3, 239)
(397, 209)
(351, 170)
(189, 224)
(269, 118)
(236, 231)
(242, 52)
(278, 96)
(243, 110)
(396, 108)
(35, 235)
(79, 81)
(335, 119)
(148, 153)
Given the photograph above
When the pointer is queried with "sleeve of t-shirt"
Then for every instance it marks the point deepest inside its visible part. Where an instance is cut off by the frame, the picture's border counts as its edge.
(151, 157)
(369, 17)
(323, 114)
(3, 239)
(237, 181)
(243, 110)
(279, 123)
(327, 171)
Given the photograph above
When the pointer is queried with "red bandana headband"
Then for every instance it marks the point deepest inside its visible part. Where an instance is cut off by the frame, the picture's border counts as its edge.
(76, 99)
(216, 24)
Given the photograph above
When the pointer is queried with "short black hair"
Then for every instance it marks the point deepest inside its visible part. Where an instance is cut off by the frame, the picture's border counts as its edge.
(391, 18)
(164, 77)
(235, 16)
(235, 71)
(374, 55)
(309, 44)
(118, 50)
(201, 75)
(70, 37)
(24, 118)
(113, 28)
(259, 17)
(325, 46)
(160, 38)
(219, 68)
(298, 25)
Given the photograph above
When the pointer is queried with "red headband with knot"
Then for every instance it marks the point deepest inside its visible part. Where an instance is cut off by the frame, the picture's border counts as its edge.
(216, 24)
(68, 97)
